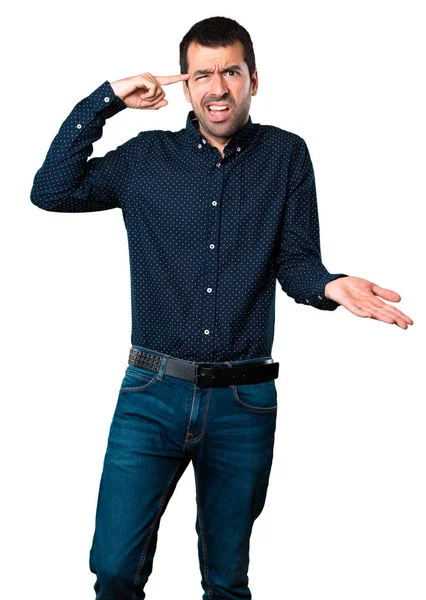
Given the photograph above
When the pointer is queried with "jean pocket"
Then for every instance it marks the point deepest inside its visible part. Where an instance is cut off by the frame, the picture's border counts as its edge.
(137, 379)
(259, 397)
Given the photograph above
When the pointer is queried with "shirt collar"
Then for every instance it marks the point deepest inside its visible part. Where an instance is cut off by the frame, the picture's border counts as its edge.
(236, 144)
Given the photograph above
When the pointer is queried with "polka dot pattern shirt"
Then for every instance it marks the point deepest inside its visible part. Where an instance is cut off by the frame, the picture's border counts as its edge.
(208, 236)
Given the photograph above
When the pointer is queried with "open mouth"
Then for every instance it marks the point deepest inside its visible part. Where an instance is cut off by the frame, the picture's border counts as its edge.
(218, 112)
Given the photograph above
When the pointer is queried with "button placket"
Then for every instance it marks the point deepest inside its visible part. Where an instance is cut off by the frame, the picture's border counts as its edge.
(212, 262)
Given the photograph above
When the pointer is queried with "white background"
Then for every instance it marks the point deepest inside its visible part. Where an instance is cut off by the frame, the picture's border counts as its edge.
(344, 517)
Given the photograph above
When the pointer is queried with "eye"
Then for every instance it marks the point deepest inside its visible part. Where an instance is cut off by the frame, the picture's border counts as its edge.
(201, 77)
(235, 72)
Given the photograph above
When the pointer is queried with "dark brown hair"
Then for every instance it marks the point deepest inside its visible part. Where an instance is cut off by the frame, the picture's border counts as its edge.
(214, 32)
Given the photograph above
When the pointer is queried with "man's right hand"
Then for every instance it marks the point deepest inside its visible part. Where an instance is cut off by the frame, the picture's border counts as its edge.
(145, 91)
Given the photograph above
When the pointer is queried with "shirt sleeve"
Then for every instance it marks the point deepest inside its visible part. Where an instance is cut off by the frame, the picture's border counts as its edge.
(299, 267)
(67, 181)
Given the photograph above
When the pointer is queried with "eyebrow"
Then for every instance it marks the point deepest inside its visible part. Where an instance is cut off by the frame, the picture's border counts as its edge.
(205, 71)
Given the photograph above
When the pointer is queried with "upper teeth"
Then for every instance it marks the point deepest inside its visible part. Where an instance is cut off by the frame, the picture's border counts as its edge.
(218, 107)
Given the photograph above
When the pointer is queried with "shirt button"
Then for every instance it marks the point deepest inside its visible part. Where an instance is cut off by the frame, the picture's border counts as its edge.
(218, 164)
(200, 146)
(307, 300)
(212, 246)
(106, 99)
(214, 202)
(320, 297)
(79, 126)
(238, 149)
(209, 290)
(204, 141)
(206, 331)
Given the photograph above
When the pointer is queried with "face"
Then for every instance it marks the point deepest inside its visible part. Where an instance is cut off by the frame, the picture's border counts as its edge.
(219, 77)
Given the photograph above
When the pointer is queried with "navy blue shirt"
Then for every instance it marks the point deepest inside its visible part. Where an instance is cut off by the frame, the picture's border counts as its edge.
(208, 236)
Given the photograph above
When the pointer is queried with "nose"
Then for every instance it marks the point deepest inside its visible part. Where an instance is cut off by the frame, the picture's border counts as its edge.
(218, 85)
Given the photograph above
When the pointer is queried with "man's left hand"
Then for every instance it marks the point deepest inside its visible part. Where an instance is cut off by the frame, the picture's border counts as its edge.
(361, 297)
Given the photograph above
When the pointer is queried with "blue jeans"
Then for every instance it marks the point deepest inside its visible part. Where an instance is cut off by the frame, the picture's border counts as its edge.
(160, 424)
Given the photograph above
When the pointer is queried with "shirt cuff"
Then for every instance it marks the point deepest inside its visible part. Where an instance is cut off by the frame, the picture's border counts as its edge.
(319, 299)
(104, 99)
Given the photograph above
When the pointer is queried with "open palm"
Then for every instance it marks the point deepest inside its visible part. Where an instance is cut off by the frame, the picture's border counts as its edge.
(363, 298)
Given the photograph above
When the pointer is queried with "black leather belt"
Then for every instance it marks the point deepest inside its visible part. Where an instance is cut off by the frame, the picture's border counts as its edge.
(206, 374)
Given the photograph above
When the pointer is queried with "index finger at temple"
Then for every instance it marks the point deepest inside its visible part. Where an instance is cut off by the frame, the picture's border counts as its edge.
(166, 79)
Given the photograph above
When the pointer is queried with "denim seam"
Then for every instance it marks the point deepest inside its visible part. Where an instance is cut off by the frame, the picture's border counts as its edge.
(206, 410)
(153, 527)
(203, 538)
(192, 409)
(139, 375)
(249, 386)
(138, 388)
(255, 408)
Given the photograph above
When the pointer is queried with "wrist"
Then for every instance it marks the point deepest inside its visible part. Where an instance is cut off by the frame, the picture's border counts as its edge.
(328, 288)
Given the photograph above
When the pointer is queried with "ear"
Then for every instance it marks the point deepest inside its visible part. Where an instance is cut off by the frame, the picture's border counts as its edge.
(254, 83)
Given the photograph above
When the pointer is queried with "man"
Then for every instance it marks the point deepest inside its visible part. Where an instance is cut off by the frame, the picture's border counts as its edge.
(215, 214)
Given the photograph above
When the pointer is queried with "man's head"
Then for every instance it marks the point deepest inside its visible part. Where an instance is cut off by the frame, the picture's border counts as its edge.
(218, 54)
